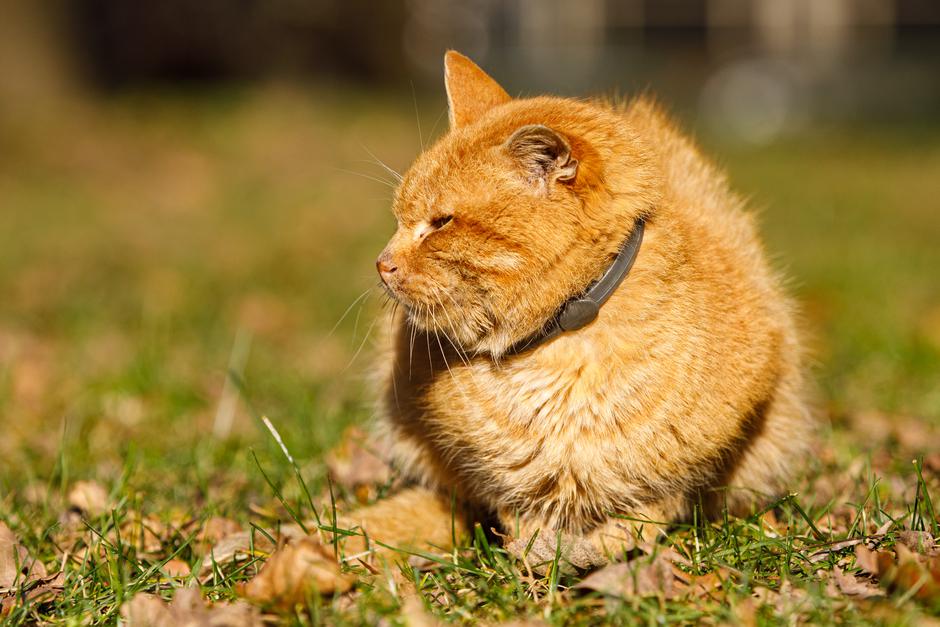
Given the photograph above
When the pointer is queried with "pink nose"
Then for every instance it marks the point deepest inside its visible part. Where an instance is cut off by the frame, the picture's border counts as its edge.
(385, 267)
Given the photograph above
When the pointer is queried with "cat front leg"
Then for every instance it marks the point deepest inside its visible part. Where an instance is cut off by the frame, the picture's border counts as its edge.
(414, 519)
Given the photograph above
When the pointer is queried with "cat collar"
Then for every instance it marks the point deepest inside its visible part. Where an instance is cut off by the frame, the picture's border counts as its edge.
(581, 310)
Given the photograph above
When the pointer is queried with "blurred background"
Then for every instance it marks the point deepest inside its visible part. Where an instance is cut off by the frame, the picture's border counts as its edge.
(192, 187)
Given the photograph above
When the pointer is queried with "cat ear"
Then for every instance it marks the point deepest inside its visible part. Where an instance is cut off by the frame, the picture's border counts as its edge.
(544, 154)
(470, 91)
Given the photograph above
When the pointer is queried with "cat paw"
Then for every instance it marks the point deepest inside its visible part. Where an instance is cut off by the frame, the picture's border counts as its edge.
(542, 550)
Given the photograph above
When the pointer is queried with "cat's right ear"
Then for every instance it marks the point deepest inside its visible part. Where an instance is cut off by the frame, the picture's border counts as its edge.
(470, 91)
(544, 155)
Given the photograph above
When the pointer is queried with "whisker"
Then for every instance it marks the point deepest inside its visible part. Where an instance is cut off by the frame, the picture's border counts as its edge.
(411, 344)
(437, 336)
(414, 99)
(348, 309)
(437, 121)
(361, 345)
(427, 341)
(391, 331)
(368, 176)
(460, 354)
(451, 323)
(384, 165)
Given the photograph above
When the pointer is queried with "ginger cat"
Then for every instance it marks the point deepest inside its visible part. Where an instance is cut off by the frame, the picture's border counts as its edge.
(686, 388)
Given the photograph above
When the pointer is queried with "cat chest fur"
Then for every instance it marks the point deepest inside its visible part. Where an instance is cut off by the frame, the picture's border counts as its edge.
(562, 437)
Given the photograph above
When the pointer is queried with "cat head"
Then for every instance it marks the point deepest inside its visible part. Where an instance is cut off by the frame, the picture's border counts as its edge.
(517, 208)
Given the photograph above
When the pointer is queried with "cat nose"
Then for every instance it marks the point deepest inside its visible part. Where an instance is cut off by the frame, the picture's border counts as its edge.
(385, 266)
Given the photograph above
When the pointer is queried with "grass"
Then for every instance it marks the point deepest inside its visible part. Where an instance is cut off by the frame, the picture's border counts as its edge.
(152, 242)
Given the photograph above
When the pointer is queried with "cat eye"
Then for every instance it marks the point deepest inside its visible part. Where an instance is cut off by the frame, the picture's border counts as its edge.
(441, 222)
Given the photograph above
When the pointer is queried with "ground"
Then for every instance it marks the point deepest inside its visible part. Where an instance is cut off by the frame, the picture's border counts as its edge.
(174, 267)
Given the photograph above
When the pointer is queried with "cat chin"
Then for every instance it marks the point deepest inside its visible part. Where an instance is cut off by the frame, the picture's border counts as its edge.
(465, 340)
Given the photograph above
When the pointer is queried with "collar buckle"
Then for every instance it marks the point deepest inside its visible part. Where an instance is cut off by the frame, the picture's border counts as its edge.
(578, 313)
(582, 311)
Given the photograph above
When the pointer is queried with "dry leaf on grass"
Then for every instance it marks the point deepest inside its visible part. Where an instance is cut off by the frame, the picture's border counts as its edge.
(15, 563)
(911, 574)
(177, 568)
(21, 577)
(577, 554)
(89, 497)
(866, 559)
(187, 609)
(414, 613)
(919, 542)
(144, 533)
(854, 586)
(296, 570)
(244, 545)
(215, 529)
(905, 572)
(358, 462)
(824, 553)
(236, 547)
(639, 577)
(658, 574)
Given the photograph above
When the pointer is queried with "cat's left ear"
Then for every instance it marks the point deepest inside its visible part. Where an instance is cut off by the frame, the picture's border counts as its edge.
(470, 91)
(544, 155)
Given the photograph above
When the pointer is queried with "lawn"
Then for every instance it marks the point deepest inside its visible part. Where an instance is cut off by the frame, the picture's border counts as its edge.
(174, 266)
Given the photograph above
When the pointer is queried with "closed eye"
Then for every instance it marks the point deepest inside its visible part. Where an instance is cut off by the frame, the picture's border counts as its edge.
(441, 222)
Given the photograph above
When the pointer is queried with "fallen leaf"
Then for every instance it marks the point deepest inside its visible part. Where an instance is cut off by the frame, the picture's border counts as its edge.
(911, 574)
(21, 577)
(932, 462)
(703, 585)
(640, 577)
(855, 586)
(415, 615)
(13, 558)
(358, 462)
(236, 547)
(835, 547)
(866, 559)
(177, 568)
(297, 569)
(918, 541)
(89, 497)
(187, 609)
(215, 529)
(144, 533)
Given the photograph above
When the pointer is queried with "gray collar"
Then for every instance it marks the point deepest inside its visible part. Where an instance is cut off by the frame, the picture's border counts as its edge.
(579, 311)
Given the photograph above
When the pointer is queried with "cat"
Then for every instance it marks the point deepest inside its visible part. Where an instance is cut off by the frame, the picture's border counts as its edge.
(514, 391)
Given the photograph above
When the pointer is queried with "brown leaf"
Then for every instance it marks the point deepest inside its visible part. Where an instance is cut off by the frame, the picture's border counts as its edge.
(932, 463)
(358, 462)
(639, 577)
(415, 615)
(187, 609)
(702, 585)
(296, 570)
(89, 497)
(177, 568)
(16, 566)
(867, 560)
(918, 541)
(215, 529)
(855, 586)
(911, 574)
(20, 573)
(145, 533)
(835, 547)
(236, 547)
